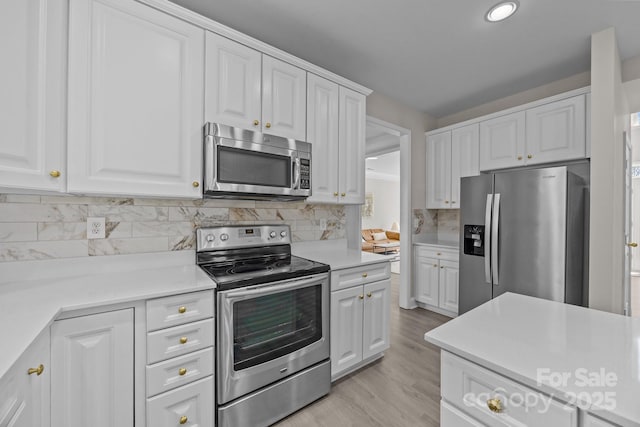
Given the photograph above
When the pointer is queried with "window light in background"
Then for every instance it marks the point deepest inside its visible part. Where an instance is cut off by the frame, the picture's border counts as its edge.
(635, 119)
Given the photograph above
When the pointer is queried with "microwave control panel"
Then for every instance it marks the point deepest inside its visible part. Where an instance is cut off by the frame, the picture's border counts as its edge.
(305, 174)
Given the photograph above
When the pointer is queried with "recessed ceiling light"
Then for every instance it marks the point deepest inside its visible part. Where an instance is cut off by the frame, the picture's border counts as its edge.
(502, 11)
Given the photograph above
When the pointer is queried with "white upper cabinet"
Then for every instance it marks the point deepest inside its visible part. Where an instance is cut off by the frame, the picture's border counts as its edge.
(322, 133)
(249, 90)
(284, 99)
(233, 83)
(351, 129)
(556, 131)
(502, 141)
(33, 43)
(450, 156)
(136, 87)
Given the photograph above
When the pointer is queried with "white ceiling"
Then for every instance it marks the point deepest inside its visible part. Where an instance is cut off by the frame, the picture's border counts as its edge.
(385, 167)
(438, 56)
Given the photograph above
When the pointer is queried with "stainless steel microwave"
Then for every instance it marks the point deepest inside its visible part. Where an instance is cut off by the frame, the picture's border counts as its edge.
(244, 164)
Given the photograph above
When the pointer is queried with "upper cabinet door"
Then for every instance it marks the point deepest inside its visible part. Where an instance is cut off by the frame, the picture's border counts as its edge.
(284, 93)
(136, 81)
(351, 125)
(32, 105)
(465, 158)
(556, 131)
(233, 83)
(322, 133)
(439, 171)
(502, 142)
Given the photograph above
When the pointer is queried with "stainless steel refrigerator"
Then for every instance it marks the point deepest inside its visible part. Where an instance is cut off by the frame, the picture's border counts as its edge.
(523, 232)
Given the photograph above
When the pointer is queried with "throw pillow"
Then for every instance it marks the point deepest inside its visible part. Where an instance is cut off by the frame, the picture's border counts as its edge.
(379, 236)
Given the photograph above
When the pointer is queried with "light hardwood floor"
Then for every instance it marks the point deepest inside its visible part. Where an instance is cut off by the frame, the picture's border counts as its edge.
(401, 389)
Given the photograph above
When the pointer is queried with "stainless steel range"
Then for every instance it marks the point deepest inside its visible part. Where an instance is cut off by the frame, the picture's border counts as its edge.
(272, 343)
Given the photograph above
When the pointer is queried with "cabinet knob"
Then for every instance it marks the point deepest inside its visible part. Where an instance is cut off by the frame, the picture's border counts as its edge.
(452, 202)
(38, 371)
(183, 419)
(183, 340)
(335, 194)
(519, 157)
(182, 309)
(530, 156)
(343, 194)
(364, 274)
(369, 294)
(361, 296)
(446, 201)
(439, 254)
(494, 405)
(435, 265)
(256, 122)
(442, 266)
(182, 371)
(267, 125)
(195, 184)
(55, 173)
(632, 244)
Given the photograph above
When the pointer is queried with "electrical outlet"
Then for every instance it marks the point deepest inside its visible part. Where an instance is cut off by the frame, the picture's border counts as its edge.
(95, 228)
(323, 224)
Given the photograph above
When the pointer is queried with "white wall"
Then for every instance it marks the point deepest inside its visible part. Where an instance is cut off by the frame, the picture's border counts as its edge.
(609, 118)
(386, 203)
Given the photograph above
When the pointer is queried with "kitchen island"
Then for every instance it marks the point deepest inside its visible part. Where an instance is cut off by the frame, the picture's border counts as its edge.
(518, 359)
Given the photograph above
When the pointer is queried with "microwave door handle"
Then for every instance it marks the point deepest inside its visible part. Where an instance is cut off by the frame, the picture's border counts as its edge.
(296, 173)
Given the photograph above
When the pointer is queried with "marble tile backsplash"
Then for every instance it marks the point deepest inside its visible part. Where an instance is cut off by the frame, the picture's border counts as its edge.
(445, 223)
(44, 227)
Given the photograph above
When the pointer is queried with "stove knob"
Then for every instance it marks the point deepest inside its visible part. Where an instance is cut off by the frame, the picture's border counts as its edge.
(283, 234)
(272, 234)
(210, 237)
(224, 237)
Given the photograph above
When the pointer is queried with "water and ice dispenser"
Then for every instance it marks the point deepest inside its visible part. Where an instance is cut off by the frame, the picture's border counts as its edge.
(474, 240)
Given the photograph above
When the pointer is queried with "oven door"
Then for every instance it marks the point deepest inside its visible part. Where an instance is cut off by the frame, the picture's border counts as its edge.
(267, 332)
(247, 167)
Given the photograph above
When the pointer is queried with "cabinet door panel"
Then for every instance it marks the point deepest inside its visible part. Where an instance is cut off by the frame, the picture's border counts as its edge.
(502, 142)
(346, 329)
(439, 171)
(465, 158)
(376, 318)
(556, 131)
(352, 140)
(448, 294)
(426, 280)
(233, 83)
(136, 81)
(284, 99)
(322, 133)
(92, 370)
(192, 404)
(32, 83)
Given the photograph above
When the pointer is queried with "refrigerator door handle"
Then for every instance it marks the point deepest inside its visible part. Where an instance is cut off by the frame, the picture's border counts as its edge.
(494, 238)
(487, 239)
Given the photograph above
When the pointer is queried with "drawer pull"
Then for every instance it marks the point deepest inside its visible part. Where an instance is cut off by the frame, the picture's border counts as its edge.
(439, 254)
(38, 371)
(182, 371)
(183, 340)
(183, 419)
(361, 296)
(182, 309)
(364, 275)
(369, 295)
(494, 405)
(435, 265)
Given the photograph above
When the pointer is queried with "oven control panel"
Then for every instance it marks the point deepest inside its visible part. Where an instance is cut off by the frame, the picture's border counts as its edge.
(241, 236)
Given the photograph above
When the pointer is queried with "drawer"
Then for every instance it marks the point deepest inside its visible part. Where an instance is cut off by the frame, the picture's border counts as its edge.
(349, 277)
(176, 372)
(452, 417)
(179, 309)
(429, 252)
(179, 340)
(468, 387)
(189, 405)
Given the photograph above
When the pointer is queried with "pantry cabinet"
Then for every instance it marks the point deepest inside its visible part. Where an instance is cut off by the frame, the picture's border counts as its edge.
(360, 305)
(25, 389)
(451, 155)
(136, 81)
(436, 275)
(92, 370)
(33, 42)
(250, 90)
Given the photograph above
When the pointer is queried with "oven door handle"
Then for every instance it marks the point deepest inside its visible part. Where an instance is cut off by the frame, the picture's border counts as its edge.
(280, 286)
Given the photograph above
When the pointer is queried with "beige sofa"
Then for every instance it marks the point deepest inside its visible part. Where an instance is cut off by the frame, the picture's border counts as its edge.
(368, 236)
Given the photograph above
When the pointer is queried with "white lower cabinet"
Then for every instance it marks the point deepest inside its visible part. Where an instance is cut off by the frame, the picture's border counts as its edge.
(92, 370)
(436, 272)
(191, 405)
(359, 320)
(24, 390)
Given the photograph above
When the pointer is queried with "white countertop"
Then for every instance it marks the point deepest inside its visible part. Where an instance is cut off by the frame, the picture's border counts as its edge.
(518, 336)
(336, 254)
(433, 240)
(34, 293)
